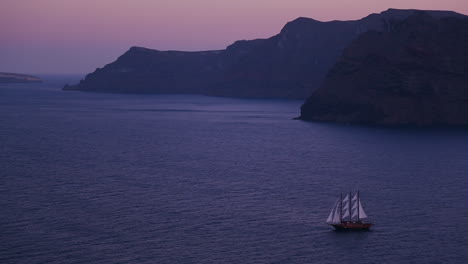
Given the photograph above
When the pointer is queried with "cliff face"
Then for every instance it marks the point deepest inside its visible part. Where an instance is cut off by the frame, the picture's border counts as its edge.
(288, 65)
(414, 74)
(18, 78)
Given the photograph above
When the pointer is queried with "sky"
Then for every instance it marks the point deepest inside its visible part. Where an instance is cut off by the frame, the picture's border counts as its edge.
(78, 36)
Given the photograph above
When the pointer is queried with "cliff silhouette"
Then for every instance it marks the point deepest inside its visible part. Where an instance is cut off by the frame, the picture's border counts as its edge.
(416, 73)
(291, 64)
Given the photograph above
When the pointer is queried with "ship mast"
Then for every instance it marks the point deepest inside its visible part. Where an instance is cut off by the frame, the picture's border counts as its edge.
(358, 206)
(341, 207)
(349, 208)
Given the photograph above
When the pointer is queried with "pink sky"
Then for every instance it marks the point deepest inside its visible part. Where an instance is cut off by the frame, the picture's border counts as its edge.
(77, 36)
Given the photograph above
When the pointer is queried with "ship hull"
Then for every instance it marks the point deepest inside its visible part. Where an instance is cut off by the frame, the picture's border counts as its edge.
(352, 226)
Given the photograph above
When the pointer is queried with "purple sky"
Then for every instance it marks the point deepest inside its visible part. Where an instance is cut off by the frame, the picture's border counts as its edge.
(77, 36)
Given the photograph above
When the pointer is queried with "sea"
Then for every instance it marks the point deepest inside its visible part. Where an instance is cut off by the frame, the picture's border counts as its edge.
(125, 178)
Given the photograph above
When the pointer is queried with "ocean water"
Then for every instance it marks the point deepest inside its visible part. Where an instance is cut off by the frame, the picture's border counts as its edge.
(108, 178)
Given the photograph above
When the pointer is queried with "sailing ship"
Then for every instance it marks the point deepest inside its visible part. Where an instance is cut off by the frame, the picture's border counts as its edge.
(348, 214)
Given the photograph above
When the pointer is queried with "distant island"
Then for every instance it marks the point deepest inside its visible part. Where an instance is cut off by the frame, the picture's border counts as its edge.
(416, 73)
(18, 78)
(291, 64)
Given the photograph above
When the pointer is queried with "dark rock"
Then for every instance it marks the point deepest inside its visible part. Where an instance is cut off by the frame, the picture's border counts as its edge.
(414, 74)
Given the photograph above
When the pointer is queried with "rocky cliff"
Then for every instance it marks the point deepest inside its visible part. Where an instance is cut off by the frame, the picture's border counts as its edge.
(288, 65)
(416, 73)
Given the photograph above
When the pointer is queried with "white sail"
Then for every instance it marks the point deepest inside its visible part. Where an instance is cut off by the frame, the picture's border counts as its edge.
(345, 200)
(346, 209)
(354, 213)
(362, 214)
(354, 201)
(345, 215)
(336, 216)
(332, 213)
(354, 206)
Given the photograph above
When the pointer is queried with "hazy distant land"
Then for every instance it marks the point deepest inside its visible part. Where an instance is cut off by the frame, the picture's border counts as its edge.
(18, 78)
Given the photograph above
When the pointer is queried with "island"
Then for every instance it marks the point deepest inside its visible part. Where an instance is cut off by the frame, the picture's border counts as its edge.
(18, 78)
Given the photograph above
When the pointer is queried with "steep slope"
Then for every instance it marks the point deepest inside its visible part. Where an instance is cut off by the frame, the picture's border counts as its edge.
(414, 74)
(288, 65)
